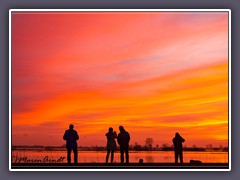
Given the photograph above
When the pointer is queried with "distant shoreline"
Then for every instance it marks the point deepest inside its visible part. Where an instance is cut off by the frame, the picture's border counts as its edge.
(98, 149)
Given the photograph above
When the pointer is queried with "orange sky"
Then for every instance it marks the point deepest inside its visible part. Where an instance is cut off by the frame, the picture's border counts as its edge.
(154, 73)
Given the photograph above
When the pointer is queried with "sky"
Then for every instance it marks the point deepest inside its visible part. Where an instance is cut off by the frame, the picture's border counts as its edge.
(155, 73)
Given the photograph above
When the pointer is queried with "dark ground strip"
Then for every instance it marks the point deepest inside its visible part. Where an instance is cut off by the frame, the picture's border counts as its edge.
(120, 166)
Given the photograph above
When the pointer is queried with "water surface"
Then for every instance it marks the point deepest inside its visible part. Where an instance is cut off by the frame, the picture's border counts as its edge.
(100, 156)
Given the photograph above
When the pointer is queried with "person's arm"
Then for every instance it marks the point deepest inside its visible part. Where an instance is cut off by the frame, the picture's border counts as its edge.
(115, 135)
(118, 139)
(182, 140)
(77, 137)
(64, 136)
(128, 137)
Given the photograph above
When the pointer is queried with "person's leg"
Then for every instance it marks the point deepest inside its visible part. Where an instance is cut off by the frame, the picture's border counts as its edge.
(108, 152)
(69, 155)
(181, 156)
(75, 155)
(122, 154)
(127, 155)
(112, 155)
(176, 156)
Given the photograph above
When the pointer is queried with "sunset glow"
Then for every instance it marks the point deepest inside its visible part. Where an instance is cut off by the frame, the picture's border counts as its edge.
(155, 73)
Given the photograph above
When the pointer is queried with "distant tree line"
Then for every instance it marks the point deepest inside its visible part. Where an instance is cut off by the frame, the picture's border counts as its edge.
(136, 147)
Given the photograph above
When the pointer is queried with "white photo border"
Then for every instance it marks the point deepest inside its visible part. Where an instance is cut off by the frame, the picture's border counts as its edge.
(119, 10)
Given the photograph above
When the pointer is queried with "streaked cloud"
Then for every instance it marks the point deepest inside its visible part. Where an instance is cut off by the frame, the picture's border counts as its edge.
(154, 73)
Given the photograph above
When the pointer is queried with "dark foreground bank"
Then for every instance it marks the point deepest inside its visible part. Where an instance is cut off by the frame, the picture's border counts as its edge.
(120, 166)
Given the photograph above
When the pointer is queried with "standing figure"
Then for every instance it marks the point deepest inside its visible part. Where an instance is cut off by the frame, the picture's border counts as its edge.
(71, 137)
(111, 143)
(177, 142)
(123, 140)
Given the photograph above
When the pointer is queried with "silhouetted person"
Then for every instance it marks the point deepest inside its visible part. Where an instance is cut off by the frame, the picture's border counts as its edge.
(71, 137)
(111, 143)
(178, 150)
(123, 140)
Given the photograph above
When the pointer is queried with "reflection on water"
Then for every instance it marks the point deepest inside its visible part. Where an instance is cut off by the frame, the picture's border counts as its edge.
(97, 157)
(149, 159)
